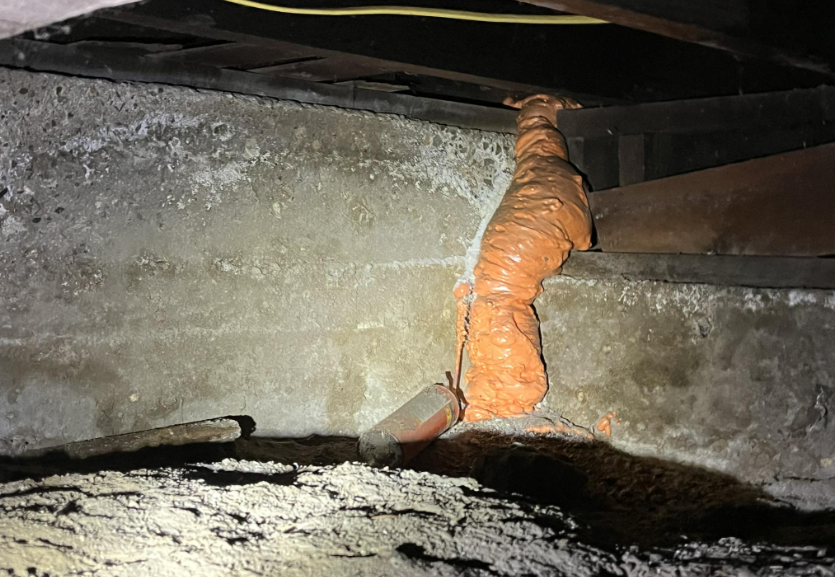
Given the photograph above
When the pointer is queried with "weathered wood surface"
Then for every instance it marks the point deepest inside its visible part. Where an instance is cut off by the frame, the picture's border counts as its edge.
(623, 145)
(781, 205)
(211, 431)
(702, 115)
(44, 57)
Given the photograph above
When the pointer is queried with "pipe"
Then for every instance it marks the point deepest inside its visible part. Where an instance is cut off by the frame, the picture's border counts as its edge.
(409, 429)
(543, 215)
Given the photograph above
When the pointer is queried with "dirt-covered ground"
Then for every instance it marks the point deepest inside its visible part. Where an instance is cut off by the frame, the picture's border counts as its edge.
(616, 498)
(237, 517)
(493, 504)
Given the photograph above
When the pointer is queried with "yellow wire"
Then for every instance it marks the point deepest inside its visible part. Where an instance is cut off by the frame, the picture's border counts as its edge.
(429, 12)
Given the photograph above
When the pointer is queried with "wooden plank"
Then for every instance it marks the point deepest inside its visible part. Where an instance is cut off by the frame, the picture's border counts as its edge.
(330, 69)
(597, 159)
(631, 167)
(205, 31)
(235, 55)
(47, 57)
(210, 431)
(778, 205)
(452, 89)
(684, 136)
(715, 14)
(754, 111)
(135, 48)
(745, 271)
(629, 65)
(374, 85)
(724, 25)
(671, 154)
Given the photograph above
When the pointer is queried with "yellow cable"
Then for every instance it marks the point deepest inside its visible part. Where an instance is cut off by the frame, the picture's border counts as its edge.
(429, 12)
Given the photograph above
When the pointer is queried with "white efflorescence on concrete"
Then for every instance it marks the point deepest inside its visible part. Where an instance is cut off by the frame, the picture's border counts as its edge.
(221, 254)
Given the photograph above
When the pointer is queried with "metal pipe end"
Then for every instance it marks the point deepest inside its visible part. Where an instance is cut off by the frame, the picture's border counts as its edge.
(379, 448)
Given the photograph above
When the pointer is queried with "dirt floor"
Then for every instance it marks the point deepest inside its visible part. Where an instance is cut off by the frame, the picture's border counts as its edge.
(484, 500)
(616, 498)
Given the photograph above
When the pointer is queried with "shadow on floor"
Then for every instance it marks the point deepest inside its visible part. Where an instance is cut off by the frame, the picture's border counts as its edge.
(616, 498)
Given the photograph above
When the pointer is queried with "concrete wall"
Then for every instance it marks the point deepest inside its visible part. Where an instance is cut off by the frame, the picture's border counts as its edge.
(170, 255)
(17, 16)
(735, 379)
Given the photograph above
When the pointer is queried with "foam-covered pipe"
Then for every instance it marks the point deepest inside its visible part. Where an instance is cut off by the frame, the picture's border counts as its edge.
(544, 214)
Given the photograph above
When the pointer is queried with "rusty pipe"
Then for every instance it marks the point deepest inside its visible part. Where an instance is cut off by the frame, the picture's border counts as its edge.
(409, 429)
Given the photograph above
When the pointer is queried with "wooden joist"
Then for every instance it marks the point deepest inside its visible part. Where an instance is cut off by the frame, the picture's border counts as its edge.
(367, 65)
(331, 69)
(702, 115)
(45, 57)
(624, 145)
(778, 205)
(235, 55)
(593, 64)
(735, 26)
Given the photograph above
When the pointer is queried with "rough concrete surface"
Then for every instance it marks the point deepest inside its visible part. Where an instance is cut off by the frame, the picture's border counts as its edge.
(17, 16)
(735, 379)
(249, 518)
(169, 255)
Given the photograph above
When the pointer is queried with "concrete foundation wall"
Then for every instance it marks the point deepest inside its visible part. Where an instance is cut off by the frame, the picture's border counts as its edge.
(735, 379)
(17, 16)
(199, 254)
(170, 255)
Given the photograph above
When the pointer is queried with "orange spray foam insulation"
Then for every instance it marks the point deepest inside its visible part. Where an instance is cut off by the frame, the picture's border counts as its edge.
(543, 215)
(604, 425)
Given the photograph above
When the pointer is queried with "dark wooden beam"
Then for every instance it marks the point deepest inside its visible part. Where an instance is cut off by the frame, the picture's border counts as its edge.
(367, 63)
(631, 159)
(597, 65)
(746, 271)
(46, 57)
(622, 145)
(597, 158)
(330, 69)
(722, 24)
(724, 113)
(672, 154)
(224, 430)
(450, 89)
(779, 205)
(235, 55)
